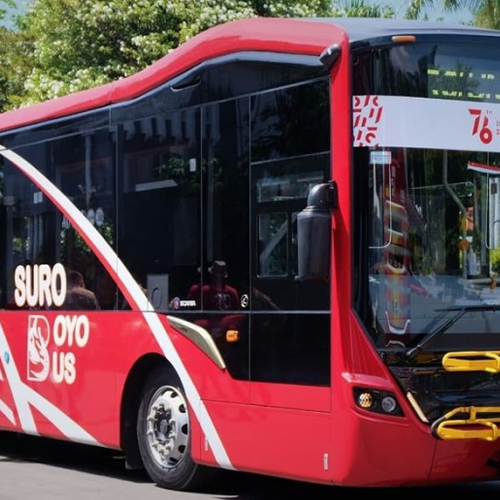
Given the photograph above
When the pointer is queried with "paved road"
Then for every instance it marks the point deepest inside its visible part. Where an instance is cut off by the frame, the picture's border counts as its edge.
(33, 468)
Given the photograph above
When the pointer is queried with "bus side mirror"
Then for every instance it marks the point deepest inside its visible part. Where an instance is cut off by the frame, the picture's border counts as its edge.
(314, 233)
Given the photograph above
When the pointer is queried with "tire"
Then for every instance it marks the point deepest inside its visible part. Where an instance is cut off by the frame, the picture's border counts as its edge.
(164, 436)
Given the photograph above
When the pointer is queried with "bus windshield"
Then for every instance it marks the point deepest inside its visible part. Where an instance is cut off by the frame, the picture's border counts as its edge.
(427, 214)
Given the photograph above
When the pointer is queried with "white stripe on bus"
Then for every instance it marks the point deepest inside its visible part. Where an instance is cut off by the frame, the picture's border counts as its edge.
(9, 414)
(25, 396)
(68, 427)
(132, 292)
(16, 386)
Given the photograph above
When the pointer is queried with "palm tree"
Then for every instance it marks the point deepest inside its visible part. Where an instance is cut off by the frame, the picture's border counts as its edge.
(486, 13)
(361, 8)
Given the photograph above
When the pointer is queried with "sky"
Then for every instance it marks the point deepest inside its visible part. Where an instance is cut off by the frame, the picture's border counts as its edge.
(20, 7)
(434, 13)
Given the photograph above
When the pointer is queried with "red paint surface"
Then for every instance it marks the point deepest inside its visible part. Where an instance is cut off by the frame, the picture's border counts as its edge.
(275, 441)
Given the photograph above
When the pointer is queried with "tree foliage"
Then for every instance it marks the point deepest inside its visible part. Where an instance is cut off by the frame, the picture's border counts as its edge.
(83, 43)
(3, 4)
(16, 58)
(360, 8)
(62, 46)
(485, 13)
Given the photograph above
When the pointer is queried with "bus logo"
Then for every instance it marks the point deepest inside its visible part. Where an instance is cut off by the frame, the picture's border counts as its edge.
(38, 354)
(367, 115)
(480, 126)
(67, 336)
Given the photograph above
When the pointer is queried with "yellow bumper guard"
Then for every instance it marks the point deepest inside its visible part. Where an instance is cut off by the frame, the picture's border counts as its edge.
(472, 361)
(469, 423)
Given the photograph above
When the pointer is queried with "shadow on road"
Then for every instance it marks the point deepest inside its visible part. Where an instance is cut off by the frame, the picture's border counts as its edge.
(251, 487)
(238, 486)
(89, 459)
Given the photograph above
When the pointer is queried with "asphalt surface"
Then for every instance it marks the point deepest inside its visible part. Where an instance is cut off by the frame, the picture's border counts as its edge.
(34, 468)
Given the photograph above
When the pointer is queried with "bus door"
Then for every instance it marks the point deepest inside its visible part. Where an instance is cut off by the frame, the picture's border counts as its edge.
(290, 334)
(290, 319)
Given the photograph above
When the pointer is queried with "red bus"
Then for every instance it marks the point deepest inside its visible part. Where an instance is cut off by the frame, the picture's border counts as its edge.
(266, 253)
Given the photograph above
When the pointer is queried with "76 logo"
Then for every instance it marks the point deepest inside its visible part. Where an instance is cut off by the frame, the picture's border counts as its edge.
(481, 122)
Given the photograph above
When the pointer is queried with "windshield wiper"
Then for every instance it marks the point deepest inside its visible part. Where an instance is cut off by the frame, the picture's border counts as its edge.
(434, 335)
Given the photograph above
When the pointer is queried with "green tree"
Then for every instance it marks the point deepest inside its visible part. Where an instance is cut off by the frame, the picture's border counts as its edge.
(83, 43)
(62, 46)
(486, 13)
(360, 8)
(16, 62)
(3, 4)
(15, 55)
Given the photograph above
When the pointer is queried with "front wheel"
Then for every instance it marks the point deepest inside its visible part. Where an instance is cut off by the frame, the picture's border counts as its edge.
(163, 433)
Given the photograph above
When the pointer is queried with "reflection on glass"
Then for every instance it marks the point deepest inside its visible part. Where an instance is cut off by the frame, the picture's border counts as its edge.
(288, 186)
(273, 232)
(434, 240)
(159, 241)
(35, 232)
(427, 212)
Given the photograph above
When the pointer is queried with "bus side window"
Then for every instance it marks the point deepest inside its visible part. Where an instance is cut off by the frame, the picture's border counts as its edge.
(290, 152)
(160, 218)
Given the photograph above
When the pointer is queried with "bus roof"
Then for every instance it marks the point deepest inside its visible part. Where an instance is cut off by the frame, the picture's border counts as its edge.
(292, 36)
(366, 29)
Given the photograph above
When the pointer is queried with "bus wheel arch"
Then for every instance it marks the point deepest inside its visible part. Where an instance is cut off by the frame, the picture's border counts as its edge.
(131, 399)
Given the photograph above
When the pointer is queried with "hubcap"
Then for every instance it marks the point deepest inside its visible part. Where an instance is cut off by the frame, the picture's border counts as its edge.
(167, 426)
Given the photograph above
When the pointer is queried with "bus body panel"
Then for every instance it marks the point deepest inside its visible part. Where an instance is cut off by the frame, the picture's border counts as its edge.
(276, 441)
(87, 383)
(83, 382)
(471, 460)
(290, 396)
(75, 380)
(380, 452)
(212, 382)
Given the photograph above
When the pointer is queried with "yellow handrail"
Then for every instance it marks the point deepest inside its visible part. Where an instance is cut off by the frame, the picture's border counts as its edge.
(448, 428)
(472, 361)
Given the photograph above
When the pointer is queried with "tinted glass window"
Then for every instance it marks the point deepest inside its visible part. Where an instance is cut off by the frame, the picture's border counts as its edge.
(291, 348)
(35, 233)
(226, 259)
(291, 122)
(229, 77)
(160, 199)
(290, 153)
(59, 128)
(27, 228)
(273, 251)
(83, 167)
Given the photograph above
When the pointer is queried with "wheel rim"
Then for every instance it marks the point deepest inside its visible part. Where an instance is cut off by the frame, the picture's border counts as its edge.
(167, 427)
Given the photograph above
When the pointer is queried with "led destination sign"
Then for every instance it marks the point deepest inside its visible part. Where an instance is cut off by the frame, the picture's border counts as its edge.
(463, 84)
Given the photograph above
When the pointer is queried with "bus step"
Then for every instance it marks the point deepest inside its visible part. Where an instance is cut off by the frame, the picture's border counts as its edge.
(469, 423)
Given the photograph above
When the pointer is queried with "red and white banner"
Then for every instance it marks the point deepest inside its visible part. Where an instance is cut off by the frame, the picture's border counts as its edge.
(412, 122)
(483, 169)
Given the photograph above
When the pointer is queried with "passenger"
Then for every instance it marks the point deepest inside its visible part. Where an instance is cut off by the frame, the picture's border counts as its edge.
(217, 295)
(77, 296)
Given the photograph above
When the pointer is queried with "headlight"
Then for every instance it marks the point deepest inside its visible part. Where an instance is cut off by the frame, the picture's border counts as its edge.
(377, 401)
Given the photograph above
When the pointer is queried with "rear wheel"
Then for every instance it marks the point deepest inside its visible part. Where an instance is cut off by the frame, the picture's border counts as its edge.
(164, 436)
